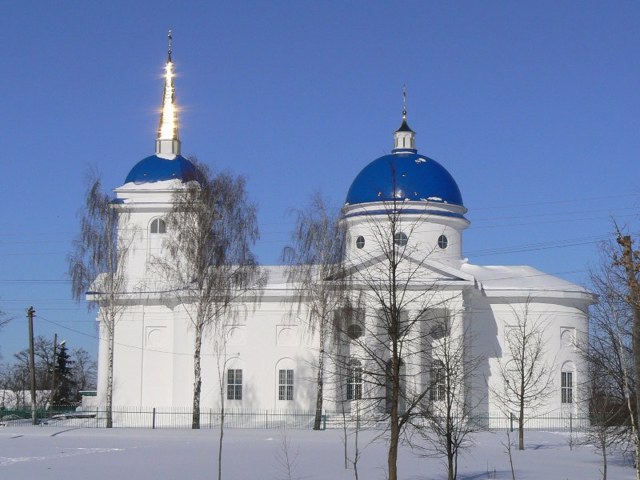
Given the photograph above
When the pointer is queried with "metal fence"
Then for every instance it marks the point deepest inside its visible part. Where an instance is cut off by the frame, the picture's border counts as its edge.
(175, 418)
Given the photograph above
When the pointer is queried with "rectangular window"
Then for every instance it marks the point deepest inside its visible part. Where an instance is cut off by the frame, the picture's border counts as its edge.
(567, 387)
(234, 384)
(436, 394)
(354, 381)
(285, 385)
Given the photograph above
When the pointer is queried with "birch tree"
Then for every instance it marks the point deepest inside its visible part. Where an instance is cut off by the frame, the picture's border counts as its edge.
(212, 227)
(97, 266)
(314, 266)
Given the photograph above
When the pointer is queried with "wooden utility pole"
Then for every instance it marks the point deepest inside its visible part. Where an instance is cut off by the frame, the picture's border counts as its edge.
(53, 370)
(32, 366)
(630, 261)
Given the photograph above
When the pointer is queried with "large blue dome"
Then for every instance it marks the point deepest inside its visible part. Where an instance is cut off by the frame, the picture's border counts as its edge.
(158, 169)
(402, 176)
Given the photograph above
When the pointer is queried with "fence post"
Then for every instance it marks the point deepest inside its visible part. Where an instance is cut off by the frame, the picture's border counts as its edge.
(511, 421)
(153, 421)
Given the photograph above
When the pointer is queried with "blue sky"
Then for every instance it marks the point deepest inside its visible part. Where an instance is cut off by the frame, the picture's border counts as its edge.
(532, 107)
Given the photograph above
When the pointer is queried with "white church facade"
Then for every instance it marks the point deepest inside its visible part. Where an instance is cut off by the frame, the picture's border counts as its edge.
(271, 355)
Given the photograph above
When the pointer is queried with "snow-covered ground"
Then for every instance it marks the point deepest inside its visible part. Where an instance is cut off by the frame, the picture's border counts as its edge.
(54, 453)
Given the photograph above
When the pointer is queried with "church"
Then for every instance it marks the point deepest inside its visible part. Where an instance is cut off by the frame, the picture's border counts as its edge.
(404, 206)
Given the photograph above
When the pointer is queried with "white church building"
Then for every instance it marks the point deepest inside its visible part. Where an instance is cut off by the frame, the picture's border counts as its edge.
(271, 353)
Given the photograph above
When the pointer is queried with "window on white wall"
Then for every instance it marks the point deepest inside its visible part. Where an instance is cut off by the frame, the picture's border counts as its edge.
(285, 384)
(567, 387)
(354, 380)
(437, 392)
(158, 226)
(234, 384)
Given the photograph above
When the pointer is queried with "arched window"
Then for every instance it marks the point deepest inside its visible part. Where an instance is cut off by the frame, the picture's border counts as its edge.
(354, 380)
(158, 225)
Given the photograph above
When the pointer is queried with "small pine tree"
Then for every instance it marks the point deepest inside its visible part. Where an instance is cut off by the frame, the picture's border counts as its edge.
(63, 394)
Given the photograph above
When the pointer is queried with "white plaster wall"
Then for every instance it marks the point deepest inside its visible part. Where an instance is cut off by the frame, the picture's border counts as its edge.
(422, 230)
(554, 316)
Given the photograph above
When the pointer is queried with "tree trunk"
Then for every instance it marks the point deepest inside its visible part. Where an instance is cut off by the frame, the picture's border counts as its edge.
(197, 381)
(521, 417)
(110, 348)
(220, 441)
(394, 437)
(604, 461)
(317, 422)
(450, 460)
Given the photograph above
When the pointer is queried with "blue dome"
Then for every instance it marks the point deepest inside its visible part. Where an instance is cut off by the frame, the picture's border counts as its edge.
(157, 169)
(415, 177)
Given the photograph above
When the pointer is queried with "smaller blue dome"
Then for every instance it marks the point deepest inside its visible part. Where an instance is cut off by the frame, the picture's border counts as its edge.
(402, 176)
(158, 169)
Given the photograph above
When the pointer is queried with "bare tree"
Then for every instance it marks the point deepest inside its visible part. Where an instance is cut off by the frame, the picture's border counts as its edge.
(15, 376)
(314, 261)
(394, 283)
(97, 267)
(14, 382)
(447, 412)
(525, 373)
(4, 319)
(83, 371)
(605, 426)
(208, 261)
(286, 457)
(610, 351)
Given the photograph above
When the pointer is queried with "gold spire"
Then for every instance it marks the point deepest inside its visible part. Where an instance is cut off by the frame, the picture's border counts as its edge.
(167, 141)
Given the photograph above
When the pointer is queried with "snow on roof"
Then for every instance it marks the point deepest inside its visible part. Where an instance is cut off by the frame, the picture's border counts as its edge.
(520, 277)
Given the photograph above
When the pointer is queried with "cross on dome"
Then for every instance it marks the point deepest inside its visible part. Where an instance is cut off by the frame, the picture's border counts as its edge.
(404, 138)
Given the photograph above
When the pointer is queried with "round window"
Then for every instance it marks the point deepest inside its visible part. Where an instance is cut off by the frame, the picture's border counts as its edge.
(400, 239)
(360, 242)
(443, 242)
(354, 331)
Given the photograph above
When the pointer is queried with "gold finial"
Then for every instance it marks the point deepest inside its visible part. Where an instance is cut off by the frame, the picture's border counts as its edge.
(170, 45)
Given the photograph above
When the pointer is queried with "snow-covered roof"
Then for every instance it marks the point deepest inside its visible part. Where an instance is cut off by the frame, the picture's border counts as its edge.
(501, 280)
